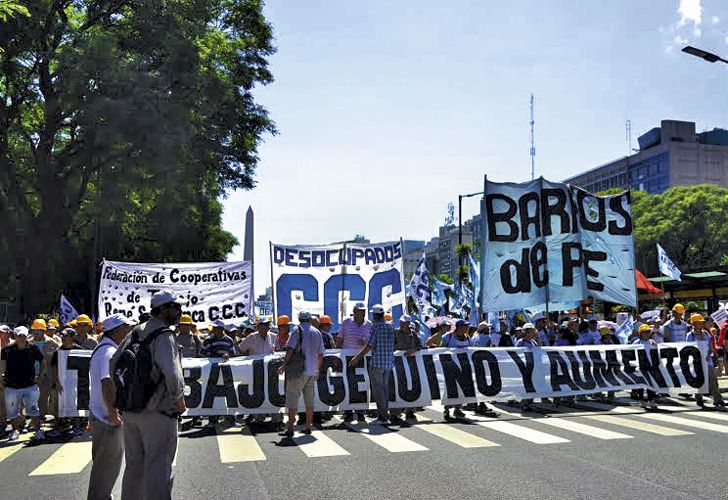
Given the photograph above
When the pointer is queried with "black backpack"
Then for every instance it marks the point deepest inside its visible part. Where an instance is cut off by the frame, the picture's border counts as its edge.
(133, 372)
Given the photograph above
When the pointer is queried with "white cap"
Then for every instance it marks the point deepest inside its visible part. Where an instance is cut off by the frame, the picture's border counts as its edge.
(377, 309)
(538, 316)
(5, 329)
(21, 330)
(483, 325)
(164, 297)
(360, 306)
(304, 315)
(405, 318)
(218, 323)
(115, 321)
(230, 327)
(527, 326)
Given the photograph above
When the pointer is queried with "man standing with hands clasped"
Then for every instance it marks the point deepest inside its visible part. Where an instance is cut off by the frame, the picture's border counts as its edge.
(381, 343)
(107, 449)
(150, 395)
(301, 374)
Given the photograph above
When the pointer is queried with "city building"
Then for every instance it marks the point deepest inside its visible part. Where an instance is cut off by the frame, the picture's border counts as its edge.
(672, 154)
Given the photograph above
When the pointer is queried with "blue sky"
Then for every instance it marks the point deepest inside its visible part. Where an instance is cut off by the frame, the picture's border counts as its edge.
(387, 110)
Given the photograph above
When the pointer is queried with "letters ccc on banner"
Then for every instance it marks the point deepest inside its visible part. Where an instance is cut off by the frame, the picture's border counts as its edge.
(212, 290)
(251, 385)
(548, 245)
(331, 279)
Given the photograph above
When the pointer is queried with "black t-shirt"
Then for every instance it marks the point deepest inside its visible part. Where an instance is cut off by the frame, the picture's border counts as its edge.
(20, 365)
(54, 359)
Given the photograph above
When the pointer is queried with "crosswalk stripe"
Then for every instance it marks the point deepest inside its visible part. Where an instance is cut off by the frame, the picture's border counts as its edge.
(708, 426)
(640, 426)
(236, 447)
(7, 451)
(174, 460)
(457, 436)
(714, 416)
(587, 430)
(319, 444)
(387, 439)
(71, 458)
(524, 433)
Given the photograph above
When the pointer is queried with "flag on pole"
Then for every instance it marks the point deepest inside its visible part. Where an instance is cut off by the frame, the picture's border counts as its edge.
(667, 267)
(474, 275)
(420, 286)
(68, 312)
(438, 292)
(624, 330)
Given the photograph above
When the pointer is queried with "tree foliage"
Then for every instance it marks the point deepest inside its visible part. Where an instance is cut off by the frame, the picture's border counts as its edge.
(121, 125)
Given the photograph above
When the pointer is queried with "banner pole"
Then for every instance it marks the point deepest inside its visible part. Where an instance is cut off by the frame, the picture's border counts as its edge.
(343, 287)
(272, 285)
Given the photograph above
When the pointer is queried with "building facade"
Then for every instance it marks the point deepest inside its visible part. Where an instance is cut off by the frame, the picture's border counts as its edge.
(672, 154)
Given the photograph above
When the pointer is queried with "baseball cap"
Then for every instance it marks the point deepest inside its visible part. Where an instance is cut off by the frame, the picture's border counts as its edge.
(21, 330)
(5, 329)
(527, 326)
(83, 319)
(377, 309)
(326, 320)
(360, 306)
(185, 319)
(163, 297)
(68, 332)
(405, 318)
(263, 320)
(283, 320)
(39, 324)
(461, 322)
(304, 315)
(218, 323)
(115, 321)
(230, 327)
(483, 325)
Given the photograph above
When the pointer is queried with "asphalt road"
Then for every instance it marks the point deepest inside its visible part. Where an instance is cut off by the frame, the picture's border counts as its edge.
(591, 451)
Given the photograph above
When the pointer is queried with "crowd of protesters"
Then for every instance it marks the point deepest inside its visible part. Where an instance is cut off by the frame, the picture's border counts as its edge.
(30, 383)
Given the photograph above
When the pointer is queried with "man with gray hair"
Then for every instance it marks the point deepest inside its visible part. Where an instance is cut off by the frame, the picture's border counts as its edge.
(107, 448)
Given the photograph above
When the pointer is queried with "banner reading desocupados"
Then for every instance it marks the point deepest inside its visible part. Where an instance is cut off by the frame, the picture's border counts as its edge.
(213, 290)
(453, 376)
(547, 245)
(331, 279)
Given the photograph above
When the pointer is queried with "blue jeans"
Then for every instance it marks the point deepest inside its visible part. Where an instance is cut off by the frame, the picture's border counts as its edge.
(380, 389)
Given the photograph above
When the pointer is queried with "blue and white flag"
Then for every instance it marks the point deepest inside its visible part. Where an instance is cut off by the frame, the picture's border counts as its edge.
(624, 330)
(438, 292)
(68, 312)
(667, 267)
(420, 286)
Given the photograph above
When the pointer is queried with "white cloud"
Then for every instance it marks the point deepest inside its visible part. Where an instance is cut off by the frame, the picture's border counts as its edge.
(679, 40)
(690, 11)
(715, 19)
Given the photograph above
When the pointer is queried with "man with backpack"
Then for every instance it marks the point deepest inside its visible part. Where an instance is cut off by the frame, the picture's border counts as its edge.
(147, 374)
(107, 449)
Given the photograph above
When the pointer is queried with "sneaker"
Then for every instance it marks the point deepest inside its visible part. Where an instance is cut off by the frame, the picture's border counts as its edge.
(307, 431)
(348, 418)
(39, 436)
(14, 436)
(410, 415)
(458, 413)
(287, 433)
(380, 421)
(399, 421)
(699, 401)
(446, 415)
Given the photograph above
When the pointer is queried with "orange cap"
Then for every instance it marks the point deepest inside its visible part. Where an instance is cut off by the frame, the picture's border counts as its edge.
(387, 317)
(325, 320)
(39, 324)
(283, 320)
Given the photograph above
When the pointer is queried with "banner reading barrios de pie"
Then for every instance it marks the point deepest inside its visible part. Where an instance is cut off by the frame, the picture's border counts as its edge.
(213, 290)
(547, 245)
(331, 279)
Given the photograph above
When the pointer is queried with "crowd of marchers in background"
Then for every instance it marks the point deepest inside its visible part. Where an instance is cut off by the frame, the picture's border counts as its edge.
(30, 383)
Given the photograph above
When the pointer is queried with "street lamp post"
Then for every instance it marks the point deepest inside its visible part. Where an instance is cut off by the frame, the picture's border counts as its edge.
(460, 226)
(708, 56)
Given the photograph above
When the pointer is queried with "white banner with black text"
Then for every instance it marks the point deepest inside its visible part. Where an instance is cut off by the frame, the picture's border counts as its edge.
(251, 384)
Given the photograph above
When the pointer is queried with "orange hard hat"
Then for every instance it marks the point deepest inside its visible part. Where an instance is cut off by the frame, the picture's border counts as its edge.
(325, 320)
(283, 320)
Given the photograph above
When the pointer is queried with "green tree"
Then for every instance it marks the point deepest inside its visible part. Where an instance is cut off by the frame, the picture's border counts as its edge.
(121, 125)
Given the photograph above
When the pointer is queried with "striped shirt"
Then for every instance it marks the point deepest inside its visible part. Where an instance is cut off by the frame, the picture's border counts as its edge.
(351, 333)
(214, 347)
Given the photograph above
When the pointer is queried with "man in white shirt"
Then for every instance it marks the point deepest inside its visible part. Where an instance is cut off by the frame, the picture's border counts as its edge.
(107, 449)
